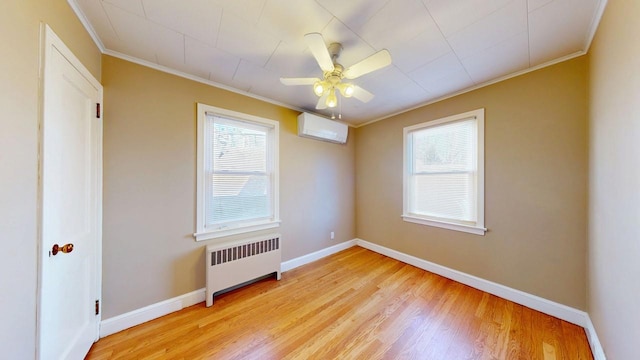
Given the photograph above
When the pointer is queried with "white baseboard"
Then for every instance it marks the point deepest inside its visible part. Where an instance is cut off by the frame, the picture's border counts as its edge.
(309, 258)
(153, 311)
(569, 314)
(560, 311)
(147, 313)
(594, 342)
(549, 307)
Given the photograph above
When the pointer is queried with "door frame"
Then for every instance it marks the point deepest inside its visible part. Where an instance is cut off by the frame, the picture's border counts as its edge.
(48, 41)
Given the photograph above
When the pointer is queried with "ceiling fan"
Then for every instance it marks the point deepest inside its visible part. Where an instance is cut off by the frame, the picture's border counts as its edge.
(334, 73)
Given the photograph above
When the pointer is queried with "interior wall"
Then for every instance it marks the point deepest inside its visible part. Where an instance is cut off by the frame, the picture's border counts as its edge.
(19, 34)
(149, 253)
(535, 185)
(614, 211)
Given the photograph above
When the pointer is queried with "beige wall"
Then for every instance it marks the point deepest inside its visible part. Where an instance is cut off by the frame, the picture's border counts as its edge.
(19, 36)
(149, 185)
(536, 178)
(614, 211)
(535, 190)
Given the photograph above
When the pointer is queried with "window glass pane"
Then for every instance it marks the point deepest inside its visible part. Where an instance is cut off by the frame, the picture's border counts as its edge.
(445, 148)
(238, 172)
(238, 147)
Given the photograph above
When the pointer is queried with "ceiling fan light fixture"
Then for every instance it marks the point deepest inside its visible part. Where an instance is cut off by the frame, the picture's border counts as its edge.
(319, 88)
(332, 100)
(346, 89)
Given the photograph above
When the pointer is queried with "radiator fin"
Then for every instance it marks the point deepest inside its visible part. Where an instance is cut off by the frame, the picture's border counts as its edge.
(242, 251)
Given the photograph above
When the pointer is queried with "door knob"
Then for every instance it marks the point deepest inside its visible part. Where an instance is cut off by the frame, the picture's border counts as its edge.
(64, 248)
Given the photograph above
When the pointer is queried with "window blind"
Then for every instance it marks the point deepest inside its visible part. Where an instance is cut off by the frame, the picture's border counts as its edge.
(239, 172)
(443, 171)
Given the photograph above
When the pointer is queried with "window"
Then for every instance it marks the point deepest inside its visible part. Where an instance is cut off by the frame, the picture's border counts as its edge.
(444, 173)
(237, 173)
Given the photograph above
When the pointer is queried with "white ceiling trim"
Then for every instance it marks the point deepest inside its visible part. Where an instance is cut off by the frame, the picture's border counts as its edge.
(595, 22)
(87, 25)
(594, 25)
(479, 86)
(197, 79)
(92, 33)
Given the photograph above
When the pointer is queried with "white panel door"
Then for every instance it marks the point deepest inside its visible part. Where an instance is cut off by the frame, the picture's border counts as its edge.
(70, 170)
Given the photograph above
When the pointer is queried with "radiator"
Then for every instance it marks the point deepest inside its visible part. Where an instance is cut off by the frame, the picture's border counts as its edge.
(234, 263)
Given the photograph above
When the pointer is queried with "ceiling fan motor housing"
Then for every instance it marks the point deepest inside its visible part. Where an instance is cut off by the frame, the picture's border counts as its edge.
(334, 76)
(334, 50)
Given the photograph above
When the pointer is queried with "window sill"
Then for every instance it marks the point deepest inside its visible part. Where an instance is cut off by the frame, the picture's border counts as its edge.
(445, 225)
(214, 234)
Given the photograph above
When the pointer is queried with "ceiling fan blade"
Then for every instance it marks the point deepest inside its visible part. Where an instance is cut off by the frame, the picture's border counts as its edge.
(362, 94)
(299, 81)
(318, 48)
(374, 62)
(322, 102)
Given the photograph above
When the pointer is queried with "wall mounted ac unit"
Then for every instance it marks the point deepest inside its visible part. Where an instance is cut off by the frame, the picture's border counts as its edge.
(317, 127)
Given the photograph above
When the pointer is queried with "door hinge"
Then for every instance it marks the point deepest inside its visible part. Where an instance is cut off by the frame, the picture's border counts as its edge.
(97, 307)
(98, 110)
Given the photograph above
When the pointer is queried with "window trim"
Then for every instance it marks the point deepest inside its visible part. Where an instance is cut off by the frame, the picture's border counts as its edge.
(202, 233)
(478, 228)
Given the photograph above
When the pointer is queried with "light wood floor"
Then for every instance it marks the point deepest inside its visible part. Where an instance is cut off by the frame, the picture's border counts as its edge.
(356, 304)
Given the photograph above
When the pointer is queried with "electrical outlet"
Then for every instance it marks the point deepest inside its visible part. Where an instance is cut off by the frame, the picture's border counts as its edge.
(333, 235)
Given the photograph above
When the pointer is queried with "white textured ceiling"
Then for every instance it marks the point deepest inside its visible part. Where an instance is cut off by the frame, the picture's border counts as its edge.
(438, 47)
